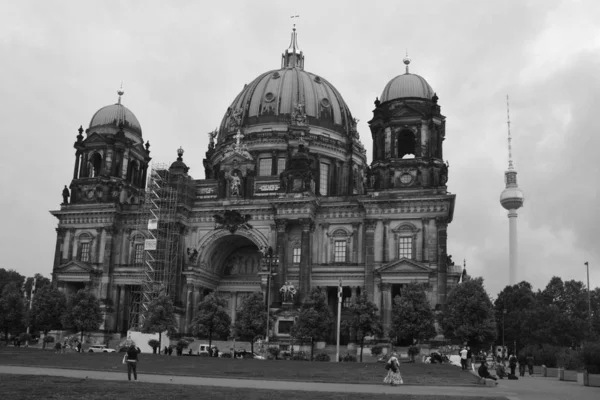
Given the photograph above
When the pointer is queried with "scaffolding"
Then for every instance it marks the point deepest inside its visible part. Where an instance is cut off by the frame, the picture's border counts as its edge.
(159, 224)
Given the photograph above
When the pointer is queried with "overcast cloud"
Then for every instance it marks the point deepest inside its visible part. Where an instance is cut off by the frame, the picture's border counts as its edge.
(183, 62)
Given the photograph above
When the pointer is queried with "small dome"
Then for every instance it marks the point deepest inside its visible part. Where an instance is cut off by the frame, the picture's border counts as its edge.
(407, 85)
(512, 198)
(113, 115)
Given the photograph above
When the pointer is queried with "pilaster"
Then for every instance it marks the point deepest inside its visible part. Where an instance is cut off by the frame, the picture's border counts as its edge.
(305, 258)
(370, 226)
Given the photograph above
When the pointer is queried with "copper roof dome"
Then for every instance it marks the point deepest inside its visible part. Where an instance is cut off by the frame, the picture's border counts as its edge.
(407, 85)
(115, 116)
(273, 96)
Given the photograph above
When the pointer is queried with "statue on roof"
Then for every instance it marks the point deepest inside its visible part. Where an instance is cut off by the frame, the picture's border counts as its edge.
(299, 115)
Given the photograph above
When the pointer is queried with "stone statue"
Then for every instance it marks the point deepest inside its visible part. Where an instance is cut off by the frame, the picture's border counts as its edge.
(235, 185)
(66, 195)
(288, 291)
(298, 115)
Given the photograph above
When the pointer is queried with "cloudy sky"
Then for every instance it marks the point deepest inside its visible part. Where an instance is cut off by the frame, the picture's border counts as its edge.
(183, 62)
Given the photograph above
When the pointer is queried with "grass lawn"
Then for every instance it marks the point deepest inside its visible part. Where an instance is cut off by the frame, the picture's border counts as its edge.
(413, 374)
(16, 387)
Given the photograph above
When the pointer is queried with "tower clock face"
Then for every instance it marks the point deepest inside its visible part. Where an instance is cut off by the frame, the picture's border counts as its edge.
(405, 179)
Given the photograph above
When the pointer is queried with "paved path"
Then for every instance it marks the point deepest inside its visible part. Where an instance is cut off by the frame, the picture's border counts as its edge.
(524, 389)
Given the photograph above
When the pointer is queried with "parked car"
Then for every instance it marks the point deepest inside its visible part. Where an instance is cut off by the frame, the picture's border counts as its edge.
(246, 354)
(100, 348)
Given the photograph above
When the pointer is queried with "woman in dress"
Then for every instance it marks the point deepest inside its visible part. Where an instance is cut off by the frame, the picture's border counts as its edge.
(393, 376)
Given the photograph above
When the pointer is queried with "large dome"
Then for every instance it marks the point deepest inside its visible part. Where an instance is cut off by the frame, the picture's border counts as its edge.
(274, 95)
(112, 116)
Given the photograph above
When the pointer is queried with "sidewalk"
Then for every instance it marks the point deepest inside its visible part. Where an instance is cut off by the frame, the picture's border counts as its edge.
(523, 389)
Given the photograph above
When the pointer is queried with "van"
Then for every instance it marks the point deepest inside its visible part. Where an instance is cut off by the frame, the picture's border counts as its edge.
(203, 348)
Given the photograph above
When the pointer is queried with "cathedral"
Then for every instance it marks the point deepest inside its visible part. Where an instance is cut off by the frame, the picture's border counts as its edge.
(288, 203)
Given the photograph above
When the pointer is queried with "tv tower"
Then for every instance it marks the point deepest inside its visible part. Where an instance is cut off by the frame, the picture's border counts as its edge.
(512, 199)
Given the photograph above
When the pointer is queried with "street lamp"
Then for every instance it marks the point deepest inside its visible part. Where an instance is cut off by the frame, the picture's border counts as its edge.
(503, 314)
(271, 260)
(587, 266)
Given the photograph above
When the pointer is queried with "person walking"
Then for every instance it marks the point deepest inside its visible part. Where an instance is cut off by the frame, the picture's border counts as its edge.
(131, 358)
(522, 362)
(530, 360)
(393, 377)
(469, 358)
(463, 358)
(512, 363)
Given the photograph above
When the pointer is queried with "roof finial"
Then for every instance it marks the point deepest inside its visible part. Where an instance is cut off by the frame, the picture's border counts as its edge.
(120, 92)
(294, 43)
(406, 61)
(510, 161)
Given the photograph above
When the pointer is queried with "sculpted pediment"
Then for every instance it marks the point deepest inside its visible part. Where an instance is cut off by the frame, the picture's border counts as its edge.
(94, 138)
(74, 267)
(404, 266)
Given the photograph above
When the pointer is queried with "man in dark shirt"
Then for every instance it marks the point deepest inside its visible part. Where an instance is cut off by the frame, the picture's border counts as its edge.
(483, 371)
(132, 359)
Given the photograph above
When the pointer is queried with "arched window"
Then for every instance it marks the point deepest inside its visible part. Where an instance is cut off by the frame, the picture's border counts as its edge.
(340, 245)
(406, 143)
(94, 165)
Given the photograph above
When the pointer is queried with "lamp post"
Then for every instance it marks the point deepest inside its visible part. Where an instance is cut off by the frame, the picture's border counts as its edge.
(271, 260)
(503, 314)
(587, 266)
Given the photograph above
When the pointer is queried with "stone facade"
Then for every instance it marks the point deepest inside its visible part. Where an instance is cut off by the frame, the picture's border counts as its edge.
(302, 177)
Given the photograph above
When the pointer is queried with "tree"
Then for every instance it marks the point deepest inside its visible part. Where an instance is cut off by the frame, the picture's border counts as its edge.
(10, 276)
(211, 318)
(468, 314)
(315, 318)
(412, 316)
(251, 318)
(83, 312)
(12, 309)
(40, 282)
(47, 309)
(363, 322)
(520, 305)
(160, 317)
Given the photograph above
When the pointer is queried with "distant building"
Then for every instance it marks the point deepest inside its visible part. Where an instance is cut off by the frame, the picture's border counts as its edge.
(288, 155)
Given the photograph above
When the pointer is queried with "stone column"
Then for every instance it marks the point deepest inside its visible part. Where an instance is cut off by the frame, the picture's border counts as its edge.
(386, 245)
(196, 300)
(325, 243)
(60, 237)
(76, 169)
(278, 280)
(442, 225)
(370, 226)
(121, 309)
(304, 258)
(424, 222)
(106, 260)
(232, 306)
(386, 305)
(115, 301)
(72, 245)
(189, 307)
(354, 258)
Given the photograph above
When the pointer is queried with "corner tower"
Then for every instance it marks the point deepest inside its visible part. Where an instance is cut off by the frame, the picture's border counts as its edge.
(408, 193)
(512, 199)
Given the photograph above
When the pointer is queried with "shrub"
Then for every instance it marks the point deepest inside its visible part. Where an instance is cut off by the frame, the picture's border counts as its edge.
(24, 337)
(182, 344)
(377, 350)
(570, 359)
(590, 355)
(226, 355)
(413, 351)
(48, 339)
(322, 357)
(274, 351)
(349, 358)
(154, 344)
